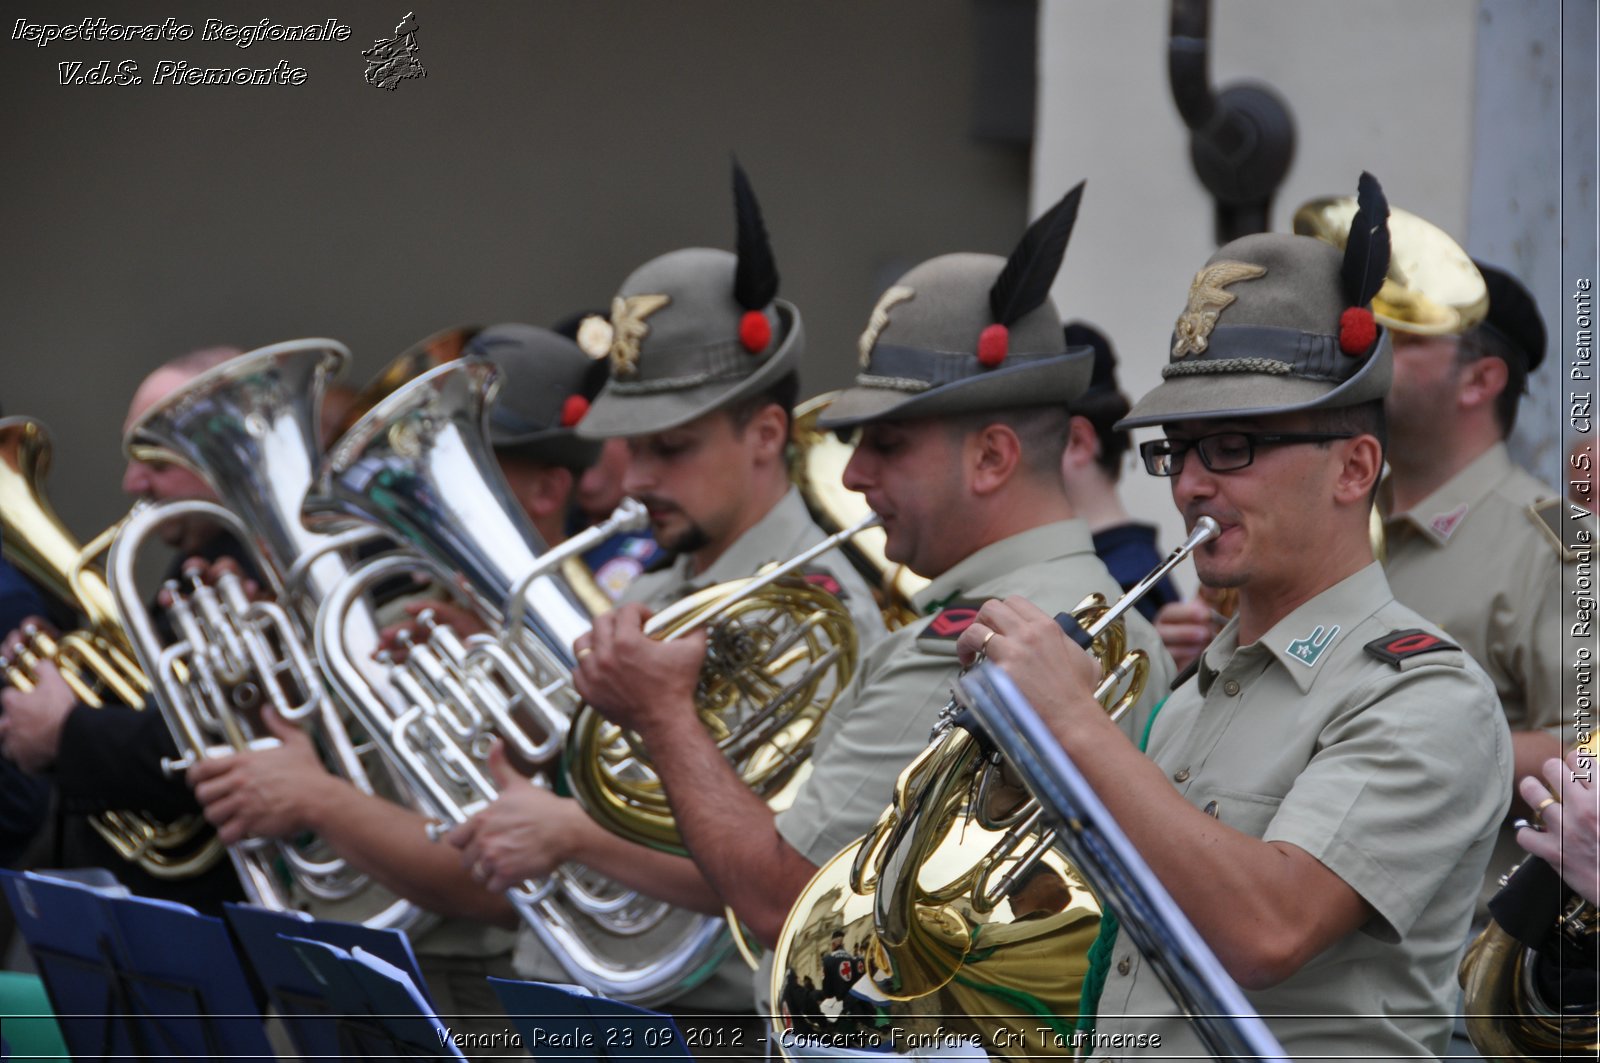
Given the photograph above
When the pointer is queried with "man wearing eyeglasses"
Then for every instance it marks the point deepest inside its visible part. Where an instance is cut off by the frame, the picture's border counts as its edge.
(1321, 796)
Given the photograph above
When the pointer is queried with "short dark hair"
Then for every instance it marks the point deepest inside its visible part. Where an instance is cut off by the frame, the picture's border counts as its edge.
(1042, 430)
(1102, 409)
(1364, 418)
(1484, 342)
(783, 393)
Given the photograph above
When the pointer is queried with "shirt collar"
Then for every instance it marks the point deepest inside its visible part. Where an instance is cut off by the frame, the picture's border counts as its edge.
(772, 538)
(1437, 517)
(1046, 542)
(1304, 640)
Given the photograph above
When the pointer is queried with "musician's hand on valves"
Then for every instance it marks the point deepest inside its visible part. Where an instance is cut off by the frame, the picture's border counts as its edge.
(463, 621)
(1056, 677)
(1186, 629)
(213, 572)
(31, 720)
(525, 834)
(634, 680)
(264, 793)
(1567, 836)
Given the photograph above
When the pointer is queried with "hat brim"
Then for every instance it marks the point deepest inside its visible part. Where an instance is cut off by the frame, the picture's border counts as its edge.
(553, 446)
(1218, 396)
(1054, 381)
(612, 415)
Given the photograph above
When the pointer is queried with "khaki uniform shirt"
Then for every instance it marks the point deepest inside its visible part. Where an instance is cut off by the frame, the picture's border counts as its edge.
(882, 720)
(1475, 559)
(784, 532)
(1393, 775)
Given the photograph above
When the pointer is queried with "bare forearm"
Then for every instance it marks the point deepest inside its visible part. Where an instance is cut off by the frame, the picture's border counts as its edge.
(674, 879)
(390, 843)
(729, 830)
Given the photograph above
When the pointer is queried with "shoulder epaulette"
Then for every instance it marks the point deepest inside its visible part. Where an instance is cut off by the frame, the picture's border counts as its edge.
(956, 616)
(1398, 647)
(825, 580)
(1566, 527)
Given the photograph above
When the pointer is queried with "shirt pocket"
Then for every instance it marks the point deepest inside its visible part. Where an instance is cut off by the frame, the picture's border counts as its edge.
(1244, 811)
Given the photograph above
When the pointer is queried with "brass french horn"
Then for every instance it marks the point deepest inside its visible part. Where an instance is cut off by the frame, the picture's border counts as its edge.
(957, 913)
(95, 661)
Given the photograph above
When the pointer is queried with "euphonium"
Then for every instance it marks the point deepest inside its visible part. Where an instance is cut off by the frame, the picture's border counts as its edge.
(957, 908)
(1511, 1011)
(419, 465)
(93, 661)
(249, 427)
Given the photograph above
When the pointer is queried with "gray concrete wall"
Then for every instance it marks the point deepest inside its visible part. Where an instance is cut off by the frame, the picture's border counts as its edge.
(1381, 85)
(553, 146)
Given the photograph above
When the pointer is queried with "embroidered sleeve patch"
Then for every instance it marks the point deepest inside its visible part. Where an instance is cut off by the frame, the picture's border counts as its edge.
(951, 621)
(825, 581)
(1397, 647)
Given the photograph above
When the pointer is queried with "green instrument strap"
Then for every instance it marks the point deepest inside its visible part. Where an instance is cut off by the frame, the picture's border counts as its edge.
(1094, 982)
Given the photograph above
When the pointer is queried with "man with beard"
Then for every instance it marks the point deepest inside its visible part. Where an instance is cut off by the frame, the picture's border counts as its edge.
(703, 373)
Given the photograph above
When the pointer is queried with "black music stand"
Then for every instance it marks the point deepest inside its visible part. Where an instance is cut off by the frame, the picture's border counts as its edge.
(119, 986)
(320, 1028)
(380, 1012)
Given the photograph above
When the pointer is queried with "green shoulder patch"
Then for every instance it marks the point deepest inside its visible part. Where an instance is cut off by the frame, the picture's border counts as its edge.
(1568, 528)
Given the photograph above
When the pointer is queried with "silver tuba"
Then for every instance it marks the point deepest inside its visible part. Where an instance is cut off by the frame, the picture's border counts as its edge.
(249, 427)
(419, 466)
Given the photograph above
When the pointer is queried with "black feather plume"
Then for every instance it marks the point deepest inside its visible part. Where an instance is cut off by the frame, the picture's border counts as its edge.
(755, 282)
(1032, 267)
(1366, 251)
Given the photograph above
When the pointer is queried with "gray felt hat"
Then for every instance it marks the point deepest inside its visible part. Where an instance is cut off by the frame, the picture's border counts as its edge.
(693, 331)
(968, 333)
(545, 388)
(1277, 323)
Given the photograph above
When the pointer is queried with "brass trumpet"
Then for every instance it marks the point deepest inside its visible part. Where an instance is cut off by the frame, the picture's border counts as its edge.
(963, 913)
(94, 661)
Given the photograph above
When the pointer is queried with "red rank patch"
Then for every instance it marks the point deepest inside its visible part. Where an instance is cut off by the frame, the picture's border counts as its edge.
(826, 582)
(1398, 646)
(952, 622)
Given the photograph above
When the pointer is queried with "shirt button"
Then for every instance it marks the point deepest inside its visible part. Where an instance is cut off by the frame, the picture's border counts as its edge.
(1182, 775)
(1231, 688)
(1211, 810)
(1124, 965)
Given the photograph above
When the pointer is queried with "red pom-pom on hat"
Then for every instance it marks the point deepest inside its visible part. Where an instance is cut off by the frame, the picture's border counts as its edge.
(993, 342)
(754, 331)
(573, 409)
(1357, 331)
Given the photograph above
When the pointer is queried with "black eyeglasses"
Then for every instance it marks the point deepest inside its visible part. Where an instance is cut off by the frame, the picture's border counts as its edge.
(1222, 451)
